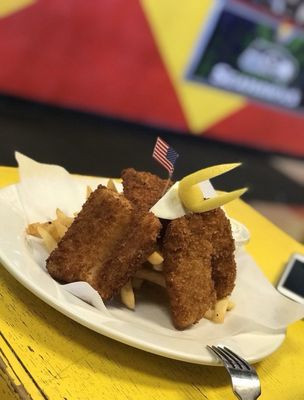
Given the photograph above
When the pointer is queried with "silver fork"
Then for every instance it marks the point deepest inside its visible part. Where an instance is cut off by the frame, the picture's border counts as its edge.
(245, 381)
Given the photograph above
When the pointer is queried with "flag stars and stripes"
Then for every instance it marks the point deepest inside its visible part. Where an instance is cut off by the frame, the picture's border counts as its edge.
(165, 155)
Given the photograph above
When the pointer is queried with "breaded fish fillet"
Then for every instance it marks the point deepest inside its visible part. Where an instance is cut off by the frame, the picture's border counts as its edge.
(105, 245)
(143, 189)
(199, 264)
(187, 271)
(217, 230)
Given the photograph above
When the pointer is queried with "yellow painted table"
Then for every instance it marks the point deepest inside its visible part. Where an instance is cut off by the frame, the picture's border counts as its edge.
(45, 355)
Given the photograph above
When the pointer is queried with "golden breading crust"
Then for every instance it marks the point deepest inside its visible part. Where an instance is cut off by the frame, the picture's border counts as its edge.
(143, 189)
(107, 242)
(199, 264)
(130, 253)
(216, 228)
(187, 271)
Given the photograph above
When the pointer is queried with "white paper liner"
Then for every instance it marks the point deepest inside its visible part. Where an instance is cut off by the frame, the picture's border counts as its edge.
(170, 207)
(259, 307)
(43, 188)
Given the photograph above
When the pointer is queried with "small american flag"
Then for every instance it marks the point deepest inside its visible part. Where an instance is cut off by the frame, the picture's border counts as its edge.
(165, 155)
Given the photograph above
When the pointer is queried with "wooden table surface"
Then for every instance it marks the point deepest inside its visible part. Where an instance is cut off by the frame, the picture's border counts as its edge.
(45, 355)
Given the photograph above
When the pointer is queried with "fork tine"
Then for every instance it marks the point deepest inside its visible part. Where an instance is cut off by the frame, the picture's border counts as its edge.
(238, 359)
(231, 362)
(224, 359)
(213, 350)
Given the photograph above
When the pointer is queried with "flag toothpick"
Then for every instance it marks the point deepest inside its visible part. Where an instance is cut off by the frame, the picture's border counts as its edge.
(166, 156)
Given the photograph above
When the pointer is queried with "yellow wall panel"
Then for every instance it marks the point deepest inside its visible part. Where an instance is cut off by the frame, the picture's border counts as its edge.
(8, 7)
(176, 27)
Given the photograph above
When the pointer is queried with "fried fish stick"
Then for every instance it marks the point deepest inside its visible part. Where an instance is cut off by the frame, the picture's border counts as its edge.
(130, 252)
(143, 189)
(216, 228)
(101, 247)
(188, 272)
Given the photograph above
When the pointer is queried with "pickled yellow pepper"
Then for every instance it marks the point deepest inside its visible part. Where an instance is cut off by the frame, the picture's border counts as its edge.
(192, 196)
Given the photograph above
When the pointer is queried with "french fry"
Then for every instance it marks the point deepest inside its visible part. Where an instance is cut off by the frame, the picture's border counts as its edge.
(231, 305)
(51, 229)
(48, 240)
(158, 267)
(127, 295)
(64, 219)
(218, 313)
(111, 185)
(32, 229)
(89, 191)
(209, 314)
(60, 229)
(220, 310)
(151, 276)
(50, 232)
(155, 258)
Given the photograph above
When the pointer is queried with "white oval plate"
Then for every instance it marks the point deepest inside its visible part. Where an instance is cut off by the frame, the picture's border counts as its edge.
(149, 328)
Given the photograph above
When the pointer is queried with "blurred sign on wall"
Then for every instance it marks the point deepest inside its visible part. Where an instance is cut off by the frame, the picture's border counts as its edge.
(231, 69)
(247, 51)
